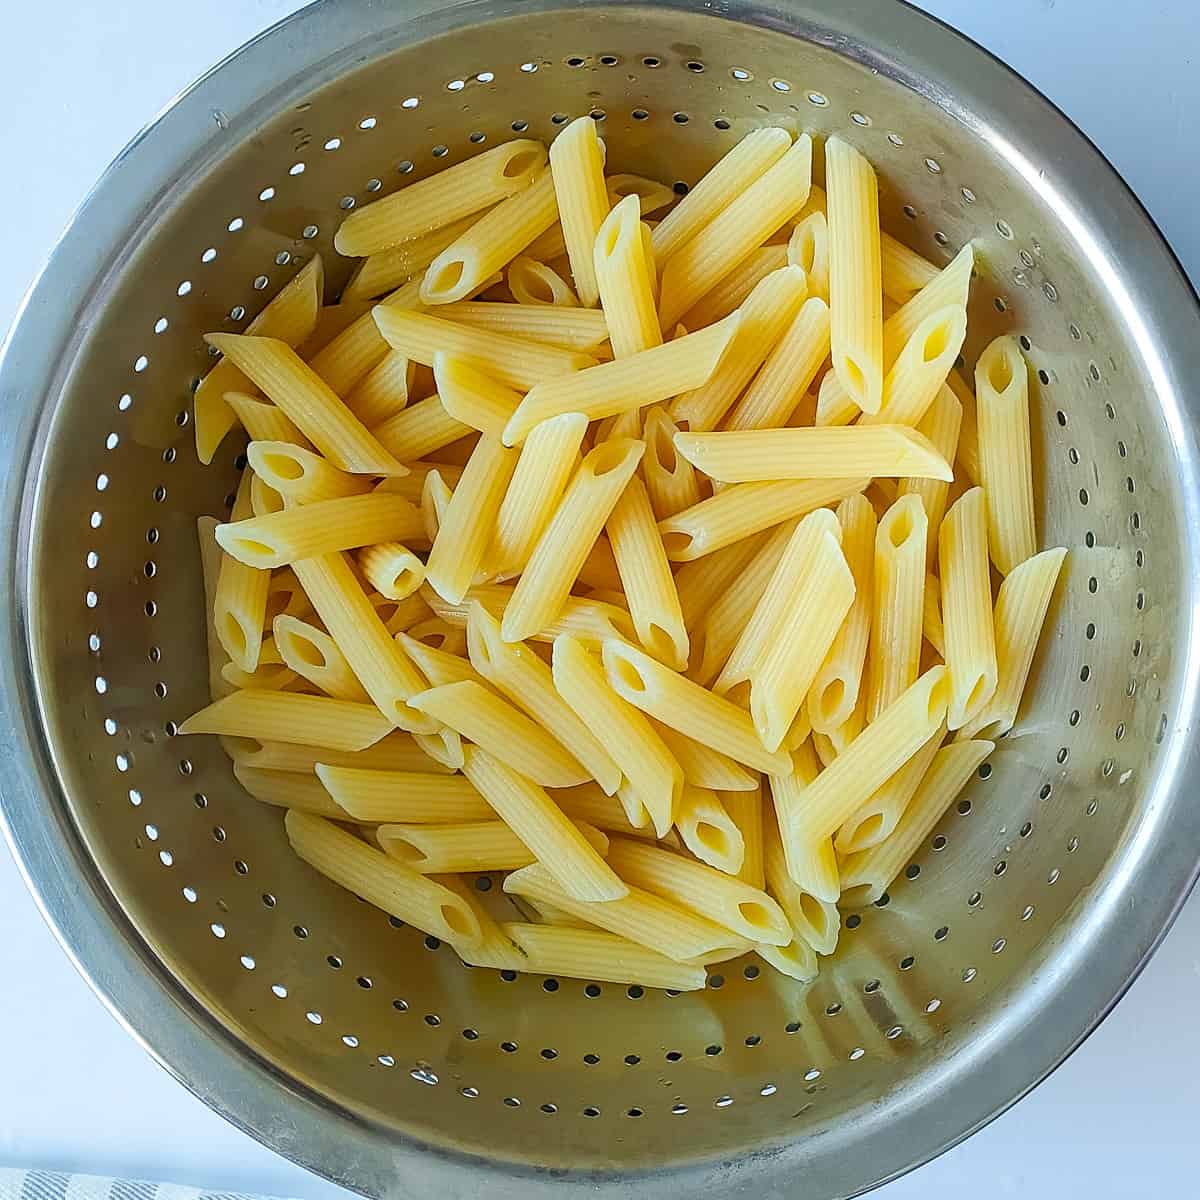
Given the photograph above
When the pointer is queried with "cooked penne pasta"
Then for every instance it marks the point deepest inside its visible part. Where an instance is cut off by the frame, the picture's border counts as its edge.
(834, 693)
(1020, 614)
(240, 599)
(736, 287)
(671, 481)
(594, 954)
(380, 880)
(308, 401)
(736, 231)
(532, 282)
(706, 830)
(441, 199)
(438, 666)
(422, 795)
(494, 948)
(747, 508)
(745, 810)
(467, 846)
(589, 803)
(490, 243)
(898, 611)
(940, 425)
(968, 434)
(392, 569)
(420, 429)
(625, 277)
(610, 388)
(813, 921)
(967, 607)
(920, 368)
(313, 655)
(292, 717)
(465, 527)
(705, 767)
(324, 527)
(288, 789)
(1005, 466)
(808, 249)
(903, 272)
(931, 621)
(591, 621)
(754, 454)
(264, 499)
(834, 405)
(473, 397)
(948, 288)
(577, 166)
(263, 421)
(567, 328)
(383, 391)
(855, 297)
(797, 959)
(566, 855)
(395, 752)
(299, 475)
(621, 729)
(388, 269)
(867, 874)
(702, 582)
(211, 556)
(556, 559)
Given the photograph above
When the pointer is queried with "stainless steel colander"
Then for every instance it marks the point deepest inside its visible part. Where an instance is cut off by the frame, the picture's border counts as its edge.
(371, 1054)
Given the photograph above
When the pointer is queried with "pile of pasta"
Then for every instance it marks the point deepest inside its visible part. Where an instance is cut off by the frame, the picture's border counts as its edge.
(649, 563)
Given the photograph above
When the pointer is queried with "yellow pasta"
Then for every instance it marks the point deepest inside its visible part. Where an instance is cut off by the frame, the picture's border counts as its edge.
(556, 559)
(967, 607)
(1005, 466)
(834, 405)
(797, 960)
(670, 479)
(897, 614)
(557, 844)
(921, 367)
(467, 846)
(324, 527)
(567, 328)
(903, 271)
(968, 434)
(866, 875)
(855, 297)
(931, 621)
(381, 881)
(577, 166)
(211, 557)
(808, 249)
(290, 317)
(377, 796)
(494, 948)
(685, 706)
(940, 425)
(263, 421)
(702, 582)
(703, 766)
(383, 391)
(388, 269)
(395, 752)
(465, 528)
(264, 499)
(471, 396)
(347, 358)
(948, 288)
(388, 676)
(299, 475)
(420, 429)
(706, 830)
(812, 921)
(1020, 614)
(734, 289)
(392, 569)
(292, 717)
(621, 729)
(735, 232)
(308, 401)
(756, 454)
(240, 599)
(288, 789)
(441, 199)
(624, 276)
(745, 810)
(516, 362)
(882, 812)
(532, 282)
(610, 388)
(753, 155)
(594, 954)
(490, 243)
(315, 656)
(792, 365)
(747, 508)
(589, 803)
(835, 689)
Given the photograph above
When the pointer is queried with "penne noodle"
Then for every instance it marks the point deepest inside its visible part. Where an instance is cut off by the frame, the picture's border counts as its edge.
(312, 654)
(611, 388)
(621, 729)
(291, 717)
(288, 789)
(704, 581)
(560, 848)
(867, 874)
(705, 767)
(465, 527)
(412, 485)
(435, 499)
(420, 429)
(263, 421)
(1021, 609)
(834, 406)
(473, 397)
(931, 619)
(808, 249)
(744, 910)
(898, 611)
(416, 796)
(652, 195)
(670, 479)
(299, 475)
(381, 881)
(1005, 465)
(441, 199)
(797, 960)
(566, 328)
(903, 272)
(685, 706)
(516, 362)
(439, 634)
(753, 155)
(742, 510)
(491, 243)
(494, 948)
(745, 810)
(289, 317)
(392, 569)
(577, 167)
(556, 559)
(968, 434)
(736, 231)
(211, 556)
(967, 607)
(624, 274)
(950, 287)
(387, 269)
(834, 693)
(593, 954)
(754, 454)
(468, 846)
(855, 298)
(734, 289)
(707, 831)
(308, 401)
(324, 527)
(589, 803)
(240, 598)
(438, 666)
(383, 391)
(920, 369)
(532, 282)
(780, 385)
(940, 425)
(810, 920)
(396, 752)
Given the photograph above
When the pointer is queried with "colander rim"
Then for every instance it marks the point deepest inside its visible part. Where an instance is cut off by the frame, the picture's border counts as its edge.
(1042, 1025)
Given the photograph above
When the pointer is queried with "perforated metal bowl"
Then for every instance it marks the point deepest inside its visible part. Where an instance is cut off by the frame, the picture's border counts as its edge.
(369, 1053)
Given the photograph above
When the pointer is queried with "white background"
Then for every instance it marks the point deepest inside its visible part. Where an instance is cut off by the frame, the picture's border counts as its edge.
(78, 79)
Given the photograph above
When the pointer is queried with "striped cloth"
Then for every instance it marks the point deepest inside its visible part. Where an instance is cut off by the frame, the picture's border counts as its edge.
(58, 1185)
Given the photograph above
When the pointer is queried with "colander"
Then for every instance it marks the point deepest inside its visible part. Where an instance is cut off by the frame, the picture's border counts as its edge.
(370, 1053)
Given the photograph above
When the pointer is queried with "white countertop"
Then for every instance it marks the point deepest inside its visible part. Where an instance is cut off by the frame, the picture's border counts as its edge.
(76, 1093)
